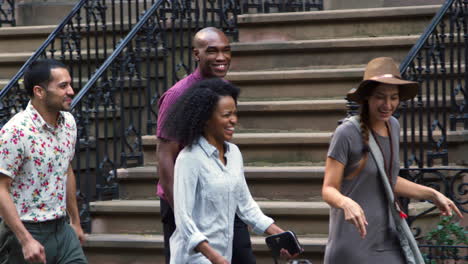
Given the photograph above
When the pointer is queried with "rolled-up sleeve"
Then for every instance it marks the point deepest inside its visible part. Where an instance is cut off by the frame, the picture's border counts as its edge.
(249, 211)
(186, 176)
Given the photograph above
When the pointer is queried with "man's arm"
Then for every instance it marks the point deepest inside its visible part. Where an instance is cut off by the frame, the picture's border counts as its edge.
(33, 251)
(166, 154)
(72, 206)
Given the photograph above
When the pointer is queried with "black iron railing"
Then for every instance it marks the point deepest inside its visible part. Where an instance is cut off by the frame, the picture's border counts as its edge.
(435, 254)
(82, 40)
(7, 13)
(438, 115)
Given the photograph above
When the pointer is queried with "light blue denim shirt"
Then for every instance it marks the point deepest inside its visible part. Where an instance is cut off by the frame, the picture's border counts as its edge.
(207, 196)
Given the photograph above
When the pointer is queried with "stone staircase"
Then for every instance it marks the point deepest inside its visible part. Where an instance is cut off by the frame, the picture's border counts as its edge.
(293, 70)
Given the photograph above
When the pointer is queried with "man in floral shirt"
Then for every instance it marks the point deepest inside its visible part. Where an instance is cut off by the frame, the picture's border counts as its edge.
(37, 184)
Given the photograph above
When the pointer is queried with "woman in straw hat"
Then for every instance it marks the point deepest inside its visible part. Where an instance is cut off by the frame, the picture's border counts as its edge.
(363, 225)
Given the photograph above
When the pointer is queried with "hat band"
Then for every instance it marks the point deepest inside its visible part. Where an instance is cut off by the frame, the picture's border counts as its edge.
(384, 76)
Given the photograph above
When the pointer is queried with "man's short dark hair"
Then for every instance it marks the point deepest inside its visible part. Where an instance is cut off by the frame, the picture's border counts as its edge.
(39, 73)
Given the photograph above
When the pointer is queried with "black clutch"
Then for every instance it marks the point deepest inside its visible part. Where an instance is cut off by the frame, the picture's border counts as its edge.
(286, 240)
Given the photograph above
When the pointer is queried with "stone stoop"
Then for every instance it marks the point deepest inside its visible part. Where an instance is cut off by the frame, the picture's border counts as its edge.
(294, 70)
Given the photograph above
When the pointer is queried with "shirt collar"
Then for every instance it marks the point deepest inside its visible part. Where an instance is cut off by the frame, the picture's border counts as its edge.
(210, 149)
(197, 76)
(39, 121)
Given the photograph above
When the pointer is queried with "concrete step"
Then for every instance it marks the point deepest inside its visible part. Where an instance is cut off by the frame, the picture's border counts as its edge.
(315, 115)
(10, 63)
(143, 216)
(295, 84)
(148, 249)
(328, 53)
(306, 84)
(335, 23)
(30, 38)
(311, 115)
(304, 147)
(300, 183)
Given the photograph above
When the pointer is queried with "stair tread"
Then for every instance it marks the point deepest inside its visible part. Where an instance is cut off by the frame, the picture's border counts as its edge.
(309, 242)
(325, 43)
(303, 137)
(311, 73)
(292, 105)
(337, 14)
(289, 172)
(301, 208)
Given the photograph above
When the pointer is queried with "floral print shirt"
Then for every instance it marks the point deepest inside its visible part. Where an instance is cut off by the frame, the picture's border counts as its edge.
(36, 156)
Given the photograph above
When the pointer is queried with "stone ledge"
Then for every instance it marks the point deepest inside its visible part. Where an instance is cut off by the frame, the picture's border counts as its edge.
(293, 75)
(306, 138)
(311, 243)
(153, 207)
(270, 173)
(273, 208)
(349, 14)
(299, 45)
(293, 106)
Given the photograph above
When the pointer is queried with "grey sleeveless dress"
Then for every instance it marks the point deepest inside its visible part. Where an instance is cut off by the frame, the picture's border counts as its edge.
(381, 243)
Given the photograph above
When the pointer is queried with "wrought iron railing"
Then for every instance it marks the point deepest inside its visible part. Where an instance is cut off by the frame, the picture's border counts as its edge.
(7, 12)
(82, 40)
(435, 254)
(439, 113)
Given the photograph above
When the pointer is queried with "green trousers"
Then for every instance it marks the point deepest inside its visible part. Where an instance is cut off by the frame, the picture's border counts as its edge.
(57, 237)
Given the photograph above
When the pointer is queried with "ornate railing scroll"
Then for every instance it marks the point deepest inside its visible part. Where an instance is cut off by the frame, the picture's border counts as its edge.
(7, 13)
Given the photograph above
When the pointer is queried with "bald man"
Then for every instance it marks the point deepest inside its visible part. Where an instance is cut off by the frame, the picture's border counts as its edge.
(212, 52)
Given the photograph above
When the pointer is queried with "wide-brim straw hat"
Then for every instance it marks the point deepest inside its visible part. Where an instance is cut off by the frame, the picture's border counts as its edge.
(383, 70)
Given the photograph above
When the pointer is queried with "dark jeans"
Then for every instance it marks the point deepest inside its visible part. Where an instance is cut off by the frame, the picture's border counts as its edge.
(58, 238)
(241, 246)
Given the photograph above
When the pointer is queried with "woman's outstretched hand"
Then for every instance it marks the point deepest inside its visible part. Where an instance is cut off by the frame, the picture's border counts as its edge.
(354, 214)
(445, 205)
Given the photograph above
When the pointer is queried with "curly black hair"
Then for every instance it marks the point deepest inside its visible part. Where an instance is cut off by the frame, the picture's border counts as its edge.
(187, 117)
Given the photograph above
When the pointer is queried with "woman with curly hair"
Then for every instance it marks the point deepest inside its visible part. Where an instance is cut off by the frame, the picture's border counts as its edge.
(361, 176)
(209, 182)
